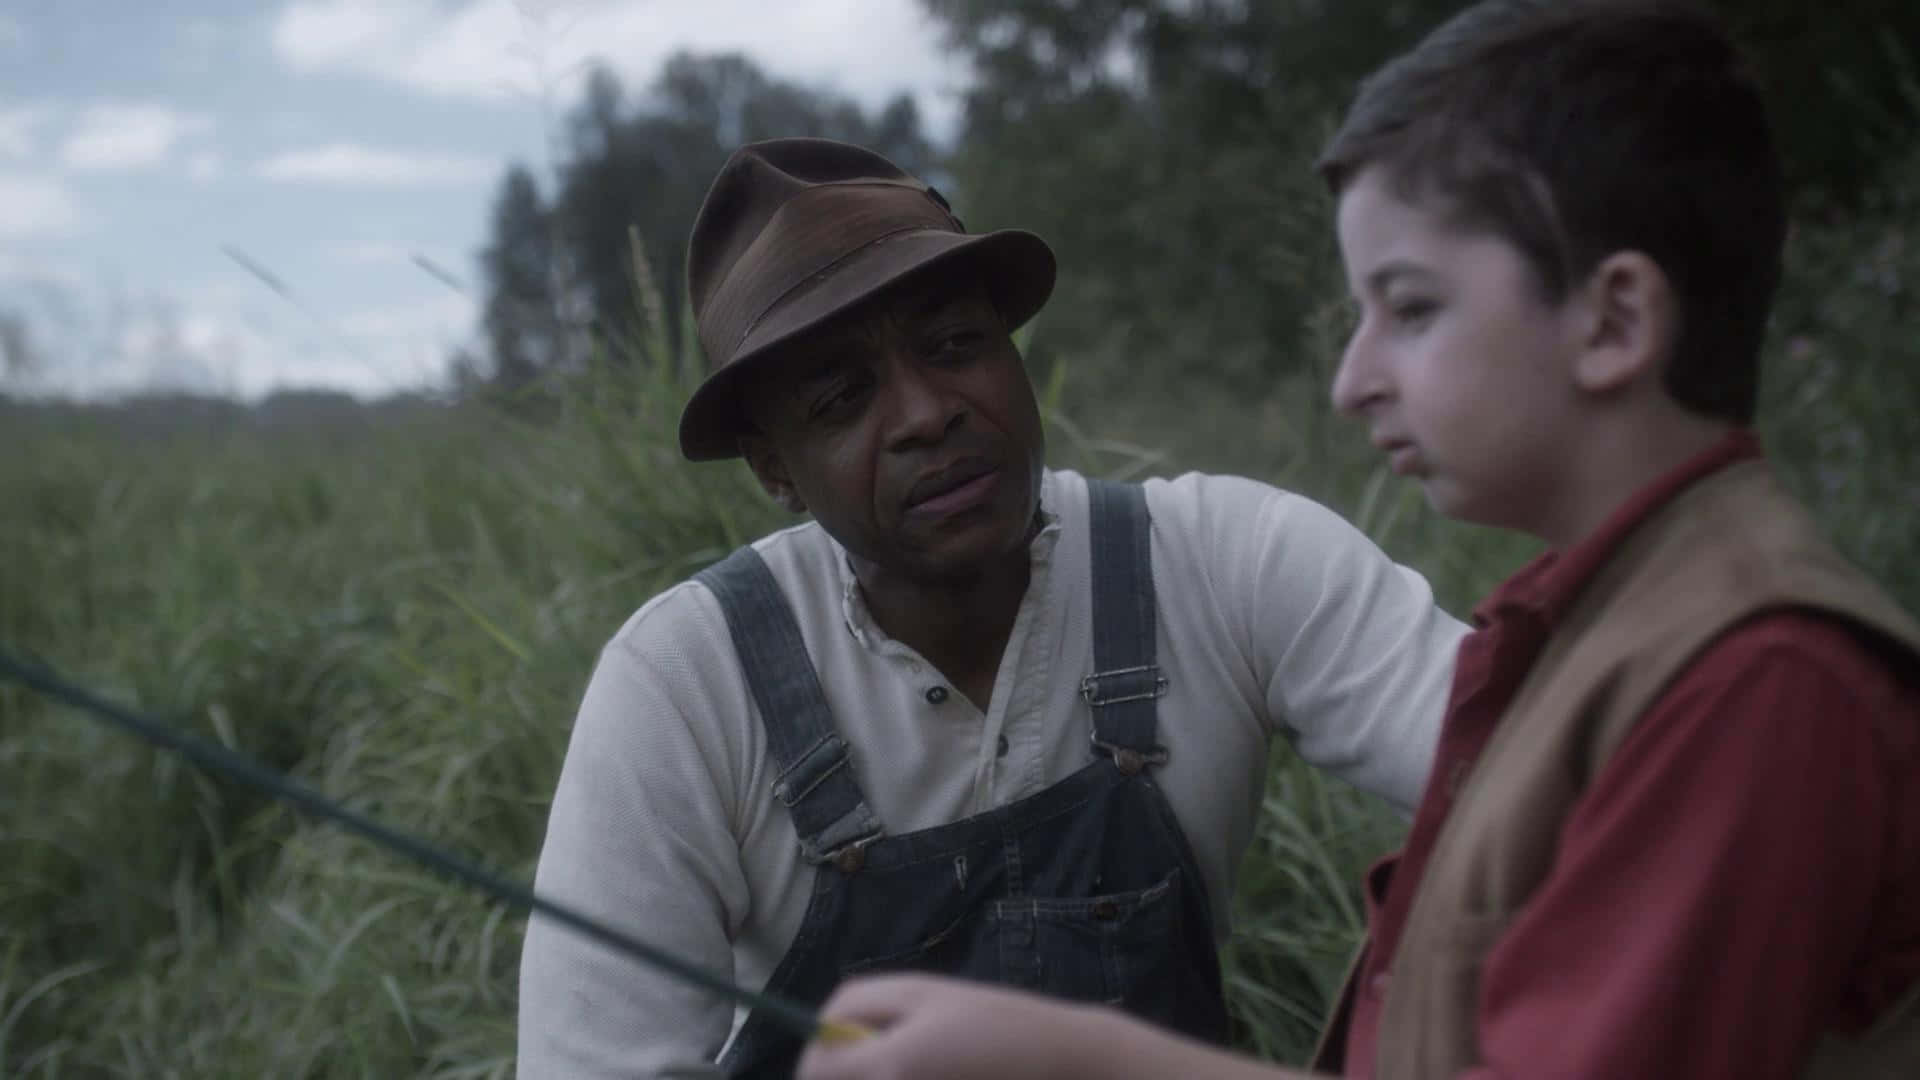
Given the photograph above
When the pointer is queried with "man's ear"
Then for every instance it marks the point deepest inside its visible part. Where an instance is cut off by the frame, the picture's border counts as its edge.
(771, 471)
(1629, 323)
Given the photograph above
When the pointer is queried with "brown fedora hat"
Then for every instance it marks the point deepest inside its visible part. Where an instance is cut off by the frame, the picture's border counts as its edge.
(796, 231)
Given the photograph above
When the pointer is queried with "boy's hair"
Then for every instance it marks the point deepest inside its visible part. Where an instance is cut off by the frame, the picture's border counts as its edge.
(1580, 128)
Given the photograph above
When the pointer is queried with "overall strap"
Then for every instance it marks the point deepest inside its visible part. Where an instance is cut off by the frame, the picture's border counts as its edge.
(1126, 680)
(810, 758)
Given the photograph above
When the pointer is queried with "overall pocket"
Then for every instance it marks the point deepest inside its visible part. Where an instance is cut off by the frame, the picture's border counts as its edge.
(1118, 948)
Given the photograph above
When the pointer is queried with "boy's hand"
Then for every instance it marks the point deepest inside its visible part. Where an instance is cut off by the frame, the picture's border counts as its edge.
(944, 1029)
(932, 1028)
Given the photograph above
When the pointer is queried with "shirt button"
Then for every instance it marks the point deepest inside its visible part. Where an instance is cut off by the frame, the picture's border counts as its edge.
(1379, 984)
(1000, 748)
(936, 694)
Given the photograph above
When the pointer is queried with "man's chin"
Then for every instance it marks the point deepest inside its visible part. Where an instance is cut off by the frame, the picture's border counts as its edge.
(967, 552)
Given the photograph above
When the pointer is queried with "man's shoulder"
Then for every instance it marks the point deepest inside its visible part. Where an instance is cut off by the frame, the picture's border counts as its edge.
(1194, 503)
(1218, 513)
(687, 618)
(1214, 492)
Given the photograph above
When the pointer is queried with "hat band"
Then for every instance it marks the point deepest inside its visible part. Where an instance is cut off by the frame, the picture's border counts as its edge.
(802, 244)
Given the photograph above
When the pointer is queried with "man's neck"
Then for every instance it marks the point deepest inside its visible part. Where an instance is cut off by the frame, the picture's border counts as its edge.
(961, 626)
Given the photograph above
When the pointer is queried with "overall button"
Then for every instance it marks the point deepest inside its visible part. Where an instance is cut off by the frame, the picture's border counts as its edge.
(1000, 747)
(1106, 910)
(936, 694)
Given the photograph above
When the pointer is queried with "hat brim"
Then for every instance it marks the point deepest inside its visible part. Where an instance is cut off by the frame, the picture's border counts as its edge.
(1015, 266)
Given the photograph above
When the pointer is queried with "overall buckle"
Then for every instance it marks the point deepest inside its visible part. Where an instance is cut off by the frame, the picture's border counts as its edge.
(1143, 683)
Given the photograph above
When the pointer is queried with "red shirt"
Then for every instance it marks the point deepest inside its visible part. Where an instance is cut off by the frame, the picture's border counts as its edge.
(1720, 896)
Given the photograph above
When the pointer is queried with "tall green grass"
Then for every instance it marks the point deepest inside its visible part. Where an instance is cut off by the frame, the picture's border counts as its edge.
(403, 614)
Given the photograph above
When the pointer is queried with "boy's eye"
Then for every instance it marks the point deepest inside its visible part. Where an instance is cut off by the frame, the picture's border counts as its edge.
(1414, 312)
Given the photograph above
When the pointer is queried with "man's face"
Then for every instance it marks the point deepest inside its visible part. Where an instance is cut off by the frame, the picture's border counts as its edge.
(909, 430)
(1459, 364)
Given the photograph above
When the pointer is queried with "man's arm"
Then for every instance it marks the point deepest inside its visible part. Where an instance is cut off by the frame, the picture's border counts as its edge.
(1716, 882)
(639, 837)
(1355, 659)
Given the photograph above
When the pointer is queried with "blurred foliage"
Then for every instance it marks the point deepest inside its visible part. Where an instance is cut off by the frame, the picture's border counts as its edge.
(1164, 148)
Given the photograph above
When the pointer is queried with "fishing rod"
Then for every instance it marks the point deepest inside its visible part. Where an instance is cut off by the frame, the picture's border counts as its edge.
(207, 754)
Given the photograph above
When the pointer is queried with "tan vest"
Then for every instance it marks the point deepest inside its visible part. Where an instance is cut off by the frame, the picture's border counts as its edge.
(1731, 545)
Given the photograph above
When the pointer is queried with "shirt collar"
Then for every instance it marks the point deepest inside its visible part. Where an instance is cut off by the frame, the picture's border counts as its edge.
(1547, 586)
(853, 603)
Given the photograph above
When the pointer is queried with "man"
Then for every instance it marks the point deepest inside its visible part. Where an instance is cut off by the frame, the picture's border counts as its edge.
(977, 716)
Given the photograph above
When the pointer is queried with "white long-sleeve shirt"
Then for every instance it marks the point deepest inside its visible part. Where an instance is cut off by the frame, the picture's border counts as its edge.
(1274, 617)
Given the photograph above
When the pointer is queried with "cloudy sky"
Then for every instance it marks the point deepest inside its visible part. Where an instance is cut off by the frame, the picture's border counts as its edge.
(231, 195)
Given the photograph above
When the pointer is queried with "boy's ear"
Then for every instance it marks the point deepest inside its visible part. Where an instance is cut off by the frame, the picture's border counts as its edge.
(771, 471)
(1629, 325)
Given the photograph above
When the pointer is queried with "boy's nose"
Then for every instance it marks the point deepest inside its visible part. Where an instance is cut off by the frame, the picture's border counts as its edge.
(1355, 381)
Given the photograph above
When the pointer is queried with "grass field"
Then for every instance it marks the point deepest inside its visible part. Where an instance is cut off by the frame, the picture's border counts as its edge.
(402, 609)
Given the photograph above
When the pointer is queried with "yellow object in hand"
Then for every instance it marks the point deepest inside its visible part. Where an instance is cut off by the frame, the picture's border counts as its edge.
(840, 1032)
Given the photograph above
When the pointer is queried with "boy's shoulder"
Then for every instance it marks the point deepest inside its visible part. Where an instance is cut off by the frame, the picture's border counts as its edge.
(1732, 545)
(1739, 544)
(1717, 584)
(1813, 658)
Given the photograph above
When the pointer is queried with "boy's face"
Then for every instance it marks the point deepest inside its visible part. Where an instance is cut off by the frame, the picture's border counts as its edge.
(1458, 363)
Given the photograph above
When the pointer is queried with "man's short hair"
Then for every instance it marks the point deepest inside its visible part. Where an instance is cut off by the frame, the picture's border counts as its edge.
(1580, 128)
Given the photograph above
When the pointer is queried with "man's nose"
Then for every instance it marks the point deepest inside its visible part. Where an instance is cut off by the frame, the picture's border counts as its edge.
(921, 407)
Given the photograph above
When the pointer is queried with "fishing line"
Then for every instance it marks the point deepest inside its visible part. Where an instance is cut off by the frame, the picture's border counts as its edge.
(217, 758)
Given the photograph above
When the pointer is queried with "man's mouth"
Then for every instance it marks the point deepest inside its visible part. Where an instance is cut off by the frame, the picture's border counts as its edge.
(953, 487)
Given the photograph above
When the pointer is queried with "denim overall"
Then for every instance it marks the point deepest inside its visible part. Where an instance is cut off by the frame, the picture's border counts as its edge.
(1085, 890)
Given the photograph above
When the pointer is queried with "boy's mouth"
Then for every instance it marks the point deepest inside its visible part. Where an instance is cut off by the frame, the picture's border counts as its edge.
(1403, 457)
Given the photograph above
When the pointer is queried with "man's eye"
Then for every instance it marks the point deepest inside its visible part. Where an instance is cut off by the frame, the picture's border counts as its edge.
(958, 343)
(838, 402)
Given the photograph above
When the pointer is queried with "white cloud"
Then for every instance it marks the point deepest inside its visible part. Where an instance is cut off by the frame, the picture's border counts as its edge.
(36, 204)
(375, 254)
(200, 44)
(123, 136)
(368, 352)
(868, 49)
(204, 166)
(442, 318)
(354, 165)
(19, 126)
(39, 271)
(102, 342)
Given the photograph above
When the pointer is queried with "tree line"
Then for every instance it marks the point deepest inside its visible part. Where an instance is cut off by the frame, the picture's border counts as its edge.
(1162, 146)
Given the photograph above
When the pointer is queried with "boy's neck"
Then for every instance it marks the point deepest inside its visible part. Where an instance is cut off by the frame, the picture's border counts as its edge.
(1618, 458)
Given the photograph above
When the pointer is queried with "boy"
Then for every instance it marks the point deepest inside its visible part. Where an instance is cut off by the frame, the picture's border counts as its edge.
(1671, 828)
